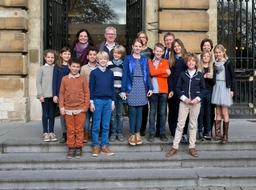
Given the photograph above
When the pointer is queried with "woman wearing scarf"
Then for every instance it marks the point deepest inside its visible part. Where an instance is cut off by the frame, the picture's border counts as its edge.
(81, 45)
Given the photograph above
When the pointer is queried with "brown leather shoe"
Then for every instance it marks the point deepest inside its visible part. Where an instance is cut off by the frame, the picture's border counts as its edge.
(171, 152)
(86, 136)
(192, 152)
(95, 151)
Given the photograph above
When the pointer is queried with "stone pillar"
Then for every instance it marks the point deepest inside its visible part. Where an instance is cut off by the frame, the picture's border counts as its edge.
(21, 37)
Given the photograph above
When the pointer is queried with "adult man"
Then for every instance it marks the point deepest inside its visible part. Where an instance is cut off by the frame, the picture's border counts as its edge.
(109, 43)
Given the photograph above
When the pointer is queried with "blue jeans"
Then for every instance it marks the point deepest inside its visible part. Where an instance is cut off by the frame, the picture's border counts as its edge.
(135, 118)
(158, 103)
(102, 111)
(117, 114)
(87, 120)
(48, 115)
(205, 113)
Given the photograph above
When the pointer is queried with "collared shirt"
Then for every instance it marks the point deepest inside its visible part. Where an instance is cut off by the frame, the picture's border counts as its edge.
(110, 47)
(155, 84)
(47, 65)
(73, 76)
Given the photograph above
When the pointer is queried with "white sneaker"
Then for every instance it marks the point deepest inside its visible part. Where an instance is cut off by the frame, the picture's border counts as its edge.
(46, 137)
(53, 137)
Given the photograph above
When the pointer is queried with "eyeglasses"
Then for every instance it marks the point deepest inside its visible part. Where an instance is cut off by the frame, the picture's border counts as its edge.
(110, 34)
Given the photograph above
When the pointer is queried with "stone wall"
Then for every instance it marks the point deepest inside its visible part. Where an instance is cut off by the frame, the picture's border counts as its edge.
(189, 20)
(16, 31)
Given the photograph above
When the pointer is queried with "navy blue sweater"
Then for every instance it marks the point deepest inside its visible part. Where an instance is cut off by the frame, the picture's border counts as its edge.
(58, 73)
(191, 87)
(102, 85)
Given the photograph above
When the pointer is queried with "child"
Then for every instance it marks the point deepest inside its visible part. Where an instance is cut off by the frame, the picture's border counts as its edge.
(159, 72)
(206, 68)
(45, 95)
(223, 91)
(74, 102)
(60, 70)
(116, 65)
(102, 103)
(86, 71)
(177, 65)
(136, 87)
(190, 89)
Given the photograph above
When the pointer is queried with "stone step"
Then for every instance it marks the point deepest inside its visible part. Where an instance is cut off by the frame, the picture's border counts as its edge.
(136, 160)
(38, 146)
(132, 178)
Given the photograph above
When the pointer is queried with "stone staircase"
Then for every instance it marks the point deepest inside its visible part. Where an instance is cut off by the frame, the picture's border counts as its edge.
(33, 164)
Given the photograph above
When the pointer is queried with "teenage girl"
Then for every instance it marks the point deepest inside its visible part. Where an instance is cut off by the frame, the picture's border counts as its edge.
(60, 70)
(223, 91)
(177, 65)
(136, 87)
(206, 68)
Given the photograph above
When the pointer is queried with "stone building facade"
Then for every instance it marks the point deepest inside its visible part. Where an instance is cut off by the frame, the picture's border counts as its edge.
(21, 45)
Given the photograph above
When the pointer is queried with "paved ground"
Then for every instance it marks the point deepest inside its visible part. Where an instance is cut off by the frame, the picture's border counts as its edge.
(239, 129)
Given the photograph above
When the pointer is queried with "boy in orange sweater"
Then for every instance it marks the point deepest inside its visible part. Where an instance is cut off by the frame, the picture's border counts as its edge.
(159, 72)
(74, 102)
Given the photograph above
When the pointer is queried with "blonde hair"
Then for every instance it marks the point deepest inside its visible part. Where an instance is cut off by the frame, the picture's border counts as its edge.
(102, 54)
(190, 56)
(221, 48)
(120, 49)
(200, 67)
(172, 58)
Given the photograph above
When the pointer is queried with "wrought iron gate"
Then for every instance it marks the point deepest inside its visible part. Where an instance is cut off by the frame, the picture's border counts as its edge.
(236, 31)
(134, 20)
(55, 24)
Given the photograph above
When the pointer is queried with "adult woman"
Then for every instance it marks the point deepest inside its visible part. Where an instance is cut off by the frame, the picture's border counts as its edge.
(81, 45)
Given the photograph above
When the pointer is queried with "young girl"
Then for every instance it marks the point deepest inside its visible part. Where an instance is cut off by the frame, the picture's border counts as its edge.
(45, 95)
(206, 68)
(177, 65)
(60, 70)
(116, 65)
(136, 87)
(223, 91)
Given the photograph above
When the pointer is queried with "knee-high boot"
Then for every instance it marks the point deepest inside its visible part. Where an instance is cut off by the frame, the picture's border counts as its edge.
(225, 132)
(217, 130)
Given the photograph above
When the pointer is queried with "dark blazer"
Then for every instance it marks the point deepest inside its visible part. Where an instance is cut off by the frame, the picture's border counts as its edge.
(230, 75)
(191, 87)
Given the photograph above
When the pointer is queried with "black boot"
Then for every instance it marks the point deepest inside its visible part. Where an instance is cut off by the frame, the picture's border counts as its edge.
(63, 138)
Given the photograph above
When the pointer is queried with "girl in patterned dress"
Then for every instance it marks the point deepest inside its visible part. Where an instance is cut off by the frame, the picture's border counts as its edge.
(136, 87)
(223, 91)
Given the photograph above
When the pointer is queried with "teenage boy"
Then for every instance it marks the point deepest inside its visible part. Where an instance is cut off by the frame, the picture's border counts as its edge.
(159, 73)
(86, 71)
(190, 89)
(102, 95)
(74, 102)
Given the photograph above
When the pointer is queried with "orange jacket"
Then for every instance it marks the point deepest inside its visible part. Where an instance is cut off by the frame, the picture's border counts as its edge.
(160, 74)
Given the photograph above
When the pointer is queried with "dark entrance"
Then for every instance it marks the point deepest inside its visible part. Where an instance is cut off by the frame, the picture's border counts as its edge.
(55, 24)
(134, 20)
(236, 31)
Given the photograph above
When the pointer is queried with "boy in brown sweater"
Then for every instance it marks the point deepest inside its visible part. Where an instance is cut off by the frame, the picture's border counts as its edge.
(74, 102)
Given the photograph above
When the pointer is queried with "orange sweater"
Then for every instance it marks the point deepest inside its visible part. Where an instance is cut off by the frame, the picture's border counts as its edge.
(160, 74)
(74, 93)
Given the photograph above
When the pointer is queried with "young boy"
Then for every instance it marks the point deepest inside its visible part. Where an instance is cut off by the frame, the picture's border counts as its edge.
(190, 89)
(45, 95)
(159, 72)
(116, 65)
(74, 102)
(86, 71)
(101, 103)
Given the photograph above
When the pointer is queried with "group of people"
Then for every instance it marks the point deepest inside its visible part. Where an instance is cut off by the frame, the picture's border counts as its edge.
(94, 82)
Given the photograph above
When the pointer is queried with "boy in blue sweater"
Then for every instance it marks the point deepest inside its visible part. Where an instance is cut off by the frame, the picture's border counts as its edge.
(102, 95)
(190, 89)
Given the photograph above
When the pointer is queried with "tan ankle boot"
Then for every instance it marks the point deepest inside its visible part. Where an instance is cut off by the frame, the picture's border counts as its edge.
(217, 130)
(86, 136)
(225, 132)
